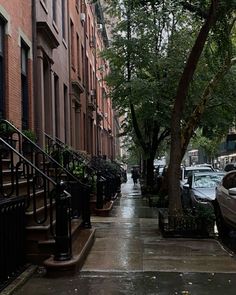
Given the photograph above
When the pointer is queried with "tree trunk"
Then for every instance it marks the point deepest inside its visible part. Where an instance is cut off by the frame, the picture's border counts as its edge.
(150, 173)
(175, 206)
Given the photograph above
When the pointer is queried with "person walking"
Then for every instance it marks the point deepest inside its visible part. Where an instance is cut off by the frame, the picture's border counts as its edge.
(135, 175)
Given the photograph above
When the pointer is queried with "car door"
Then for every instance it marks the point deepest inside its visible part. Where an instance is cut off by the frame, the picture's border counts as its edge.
(226, 201)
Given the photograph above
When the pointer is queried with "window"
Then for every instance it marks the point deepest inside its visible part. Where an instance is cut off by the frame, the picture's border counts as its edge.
(87, 73)
(2, 25)
(72, 44)
(63, 15)
(229, 181)
(84, 124)
(54, 10)
(83, 66)
(57, 106)
(24, 86)
(90, 78)
(65, 114)
(78, 56)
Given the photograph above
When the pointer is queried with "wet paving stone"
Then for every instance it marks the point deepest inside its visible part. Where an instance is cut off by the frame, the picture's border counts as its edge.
(134, 283)
(130, 257)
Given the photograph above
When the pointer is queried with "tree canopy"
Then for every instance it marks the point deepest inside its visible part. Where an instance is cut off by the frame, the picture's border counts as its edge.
(152, 50)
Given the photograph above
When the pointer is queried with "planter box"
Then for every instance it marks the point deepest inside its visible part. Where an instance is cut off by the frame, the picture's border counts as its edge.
(183, 226)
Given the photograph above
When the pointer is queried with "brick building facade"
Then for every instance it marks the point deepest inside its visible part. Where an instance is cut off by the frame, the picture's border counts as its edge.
(16, 51)
(52, 74)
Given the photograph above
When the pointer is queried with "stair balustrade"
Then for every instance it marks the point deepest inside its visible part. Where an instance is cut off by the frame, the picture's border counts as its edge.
(27, 200)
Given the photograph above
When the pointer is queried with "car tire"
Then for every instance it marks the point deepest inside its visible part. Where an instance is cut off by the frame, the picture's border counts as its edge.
(223, 228)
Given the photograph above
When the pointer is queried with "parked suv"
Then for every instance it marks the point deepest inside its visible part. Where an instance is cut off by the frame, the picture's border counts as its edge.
(225, 204)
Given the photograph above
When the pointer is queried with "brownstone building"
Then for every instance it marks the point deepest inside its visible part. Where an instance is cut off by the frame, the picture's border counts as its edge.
(16, 51)
(52, 74)
(51, 64)
(91, 116)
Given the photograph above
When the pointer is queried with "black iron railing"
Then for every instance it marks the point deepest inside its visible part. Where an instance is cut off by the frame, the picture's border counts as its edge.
(23, 185)
(78, 165)
(45, 161)
(12, 238)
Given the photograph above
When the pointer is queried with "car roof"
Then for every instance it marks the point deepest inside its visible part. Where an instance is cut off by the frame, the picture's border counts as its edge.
(198, 168)
(209, 173)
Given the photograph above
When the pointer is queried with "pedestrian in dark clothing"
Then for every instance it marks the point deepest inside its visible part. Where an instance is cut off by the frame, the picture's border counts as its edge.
(135, 175)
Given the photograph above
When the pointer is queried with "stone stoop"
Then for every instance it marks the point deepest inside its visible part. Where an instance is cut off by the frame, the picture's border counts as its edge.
(80, 249)
(105, 211)
(107, 207)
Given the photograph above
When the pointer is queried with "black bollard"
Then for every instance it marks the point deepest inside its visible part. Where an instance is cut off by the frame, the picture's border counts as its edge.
(63, 235)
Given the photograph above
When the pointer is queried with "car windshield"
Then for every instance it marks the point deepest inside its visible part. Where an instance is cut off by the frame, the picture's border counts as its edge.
(207, 181)
(187, 173)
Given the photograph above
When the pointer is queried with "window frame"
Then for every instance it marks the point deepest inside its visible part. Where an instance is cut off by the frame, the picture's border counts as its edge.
(2, 68)
(24, 51)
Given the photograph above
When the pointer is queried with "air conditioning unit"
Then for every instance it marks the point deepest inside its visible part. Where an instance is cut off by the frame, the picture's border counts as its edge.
(82, 17)
(99, 27)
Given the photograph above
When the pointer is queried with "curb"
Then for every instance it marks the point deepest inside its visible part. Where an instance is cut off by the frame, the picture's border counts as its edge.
(19, 281)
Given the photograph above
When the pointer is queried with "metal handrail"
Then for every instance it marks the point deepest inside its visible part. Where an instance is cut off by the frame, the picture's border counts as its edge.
(58, 192)
(39, 150)
(31, 182)
(75, 156)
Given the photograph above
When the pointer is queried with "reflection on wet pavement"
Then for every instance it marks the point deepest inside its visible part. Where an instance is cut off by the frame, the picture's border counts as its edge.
(129, 256)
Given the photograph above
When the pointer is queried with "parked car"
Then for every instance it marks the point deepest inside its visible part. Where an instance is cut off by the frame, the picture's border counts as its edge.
(230, 167)
(200, 188)
(225, 204)
(187, 171)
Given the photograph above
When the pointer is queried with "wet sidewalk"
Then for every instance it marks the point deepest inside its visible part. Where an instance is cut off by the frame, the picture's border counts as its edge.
(129, 256)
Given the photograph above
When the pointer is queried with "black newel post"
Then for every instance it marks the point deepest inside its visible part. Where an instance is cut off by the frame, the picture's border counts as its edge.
(100, 184)
(118, 183)
(63, 234)
(86, 206)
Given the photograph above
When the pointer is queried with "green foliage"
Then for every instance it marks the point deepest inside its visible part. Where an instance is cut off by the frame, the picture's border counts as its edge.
(209, 144)
(6, 130)
(204, 214)
(149, 49)
(78, 170)
(30, 134)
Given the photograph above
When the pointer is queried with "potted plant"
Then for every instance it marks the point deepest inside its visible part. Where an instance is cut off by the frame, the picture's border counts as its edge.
(30, 134)
(6, 130)
(6, 133)
(26, 145)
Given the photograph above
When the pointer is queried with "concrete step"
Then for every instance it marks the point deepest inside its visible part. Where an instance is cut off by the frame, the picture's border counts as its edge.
(39, 250)
(80, 249)
(40, 213)
(39, 232)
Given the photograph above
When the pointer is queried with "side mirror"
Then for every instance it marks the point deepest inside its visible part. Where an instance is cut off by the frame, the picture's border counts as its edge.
(232, 191)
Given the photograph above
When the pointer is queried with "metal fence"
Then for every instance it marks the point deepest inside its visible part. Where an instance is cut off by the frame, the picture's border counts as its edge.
(12, 237)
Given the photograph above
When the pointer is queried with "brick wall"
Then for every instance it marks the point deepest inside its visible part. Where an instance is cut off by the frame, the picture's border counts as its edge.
(17, 16)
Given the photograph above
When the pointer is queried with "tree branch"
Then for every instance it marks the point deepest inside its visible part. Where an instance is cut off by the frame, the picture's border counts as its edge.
(193, 8)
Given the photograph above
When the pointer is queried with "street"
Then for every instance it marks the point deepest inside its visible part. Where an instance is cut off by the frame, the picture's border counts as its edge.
(129, 256)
